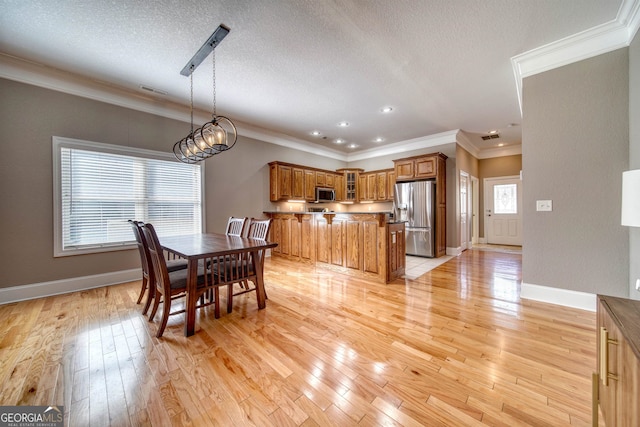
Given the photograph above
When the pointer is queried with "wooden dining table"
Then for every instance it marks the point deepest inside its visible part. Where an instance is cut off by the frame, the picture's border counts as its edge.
(196, 247)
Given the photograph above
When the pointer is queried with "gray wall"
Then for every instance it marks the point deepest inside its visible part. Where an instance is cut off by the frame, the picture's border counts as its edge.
(634, 156)
(236, 183)
(575, 147)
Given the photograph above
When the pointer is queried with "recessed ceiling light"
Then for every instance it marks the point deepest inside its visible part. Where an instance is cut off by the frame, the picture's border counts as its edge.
(378, 139)
(339, 141)
(386, 109)
(343, 124)
(315, 133)
(353, 146)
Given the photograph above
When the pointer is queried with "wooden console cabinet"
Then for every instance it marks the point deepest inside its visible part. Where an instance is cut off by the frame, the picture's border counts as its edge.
(617, 383)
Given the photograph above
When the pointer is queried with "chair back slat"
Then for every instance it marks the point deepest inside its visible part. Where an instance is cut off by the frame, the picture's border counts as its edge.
(142, 246)
(259, 228)
(157, 260)
(236, 226)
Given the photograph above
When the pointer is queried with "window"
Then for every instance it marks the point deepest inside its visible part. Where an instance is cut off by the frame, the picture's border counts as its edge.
(99, 187)
(505, 199)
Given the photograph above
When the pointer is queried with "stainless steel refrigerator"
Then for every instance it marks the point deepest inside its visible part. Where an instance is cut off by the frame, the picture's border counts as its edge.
(415, 203)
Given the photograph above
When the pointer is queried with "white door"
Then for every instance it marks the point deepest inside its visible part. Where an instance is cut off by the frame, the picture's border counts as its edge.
(503, 210)
(465, 211)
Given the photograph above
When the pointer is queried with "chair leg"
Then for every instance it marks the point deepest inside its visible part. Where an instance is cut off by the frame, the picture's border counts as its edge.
(149, 299)
(156, 303)
(166, 309)
(144, 287)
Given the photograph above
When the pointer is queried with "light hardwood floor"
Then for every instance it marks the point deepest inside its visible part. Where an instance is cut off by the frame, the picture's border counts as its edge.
(455, 347)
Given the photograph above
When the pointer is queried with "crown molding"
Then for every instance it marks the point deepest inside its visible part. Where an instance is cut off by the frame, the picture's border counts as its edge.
(509, 150)
(442, 138)
(466, 143)
(598, 40)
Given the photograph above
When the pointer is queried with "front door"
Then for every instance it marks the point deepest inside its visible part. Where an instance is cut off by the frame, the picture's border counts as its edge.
(503, 210)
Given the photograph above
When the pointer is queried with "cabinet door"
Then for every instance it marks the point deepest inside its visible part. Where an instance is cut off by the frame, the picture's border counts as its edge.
(404, 169)
(273, 183)
(362, 187)
(297, 185)
(371, 186)
(381, 186)
(309, 185)
(608, 394)
(307, 239)
(425, 167)
(275, 234)
(337, 242)
(330, 180)
(371, 247)
(351, 186)
(391, 184)
(323, 239)
(339, 186)
(321, 179)
(284, 182)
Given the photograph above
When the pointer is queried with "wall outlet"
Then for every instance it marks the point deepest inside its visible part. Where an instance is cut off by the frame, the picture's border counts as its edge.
(544, 205)
(638, 285)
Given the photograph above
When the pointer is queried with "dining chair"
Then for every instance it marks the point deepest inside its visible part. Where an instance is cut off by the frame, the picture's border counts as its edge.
(259, 230)
(147, 267)
(172, 285)
(236, 226)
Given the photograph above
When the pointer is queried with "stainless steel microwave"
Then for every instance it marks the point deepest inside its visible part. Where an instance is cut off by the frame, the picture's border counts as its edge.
(324, 195)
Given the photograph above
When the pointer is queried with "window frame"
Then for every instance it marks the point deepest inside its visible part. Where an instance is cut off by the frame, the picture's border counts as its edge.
(58, 143)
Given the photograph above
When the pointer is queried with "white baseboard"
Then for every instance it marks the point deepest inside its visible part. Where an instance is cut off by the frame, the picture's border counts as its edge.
(564, 297)
(56, 287)
(454, 251)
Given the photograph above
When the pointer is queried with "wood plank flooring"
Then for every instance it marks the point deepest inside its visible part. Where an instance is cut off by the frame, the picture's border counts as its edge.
(455, 347)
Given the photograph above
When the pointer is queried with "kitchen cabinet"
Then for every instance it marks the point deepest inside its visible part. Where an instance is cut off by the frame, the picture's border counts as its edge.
(617, 383)
(297, 183)
(351, 182)
(309, 185)
(280, 182)
(321, 179)
(420, 167)
(339, 186)
(391, 184)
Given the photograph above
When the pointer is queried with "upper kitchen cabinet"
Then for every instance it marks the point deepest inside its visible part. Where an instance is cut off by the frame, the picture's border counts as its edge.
(350, 183)
(420, 167)
(280, 181)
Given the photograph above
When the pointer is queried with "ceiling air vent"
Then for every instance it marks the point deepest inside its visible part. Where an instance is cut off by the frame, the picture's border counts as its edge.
(492, 136)
(153, 90)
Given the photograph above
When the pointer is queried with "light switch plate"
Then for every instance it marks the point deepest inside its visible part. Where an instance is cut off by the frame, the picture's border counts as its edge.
(544, 205)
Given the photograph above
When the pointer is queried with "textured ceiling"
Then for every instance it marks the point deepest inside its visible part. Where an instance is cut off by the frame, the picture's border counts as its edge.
(294, 66)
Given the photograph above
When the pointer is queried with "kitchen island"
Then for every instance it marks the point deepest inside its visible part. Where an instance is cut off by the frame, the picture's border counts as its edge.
(365, 244)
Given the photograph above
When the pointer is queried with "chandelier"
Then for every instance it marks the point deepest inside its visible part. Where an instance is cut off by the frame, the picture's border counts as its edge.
(220, 133)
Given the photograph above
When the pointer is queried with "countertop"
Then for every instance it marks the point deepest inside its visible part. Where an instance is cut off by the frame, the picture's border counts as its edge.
(388, 221)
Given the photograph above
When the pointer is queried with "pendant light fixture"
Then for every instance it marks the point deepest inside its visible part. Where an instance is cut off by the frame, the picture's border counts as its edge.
(220, 133)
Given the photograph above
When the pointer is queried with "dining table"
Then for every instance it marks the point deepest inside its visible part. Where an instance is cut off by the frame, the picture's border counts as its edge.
(196, 247)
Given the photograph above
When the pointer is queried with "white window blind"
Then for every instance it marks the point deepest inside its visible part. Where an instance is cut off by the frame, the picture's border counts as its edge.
(100, 187)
